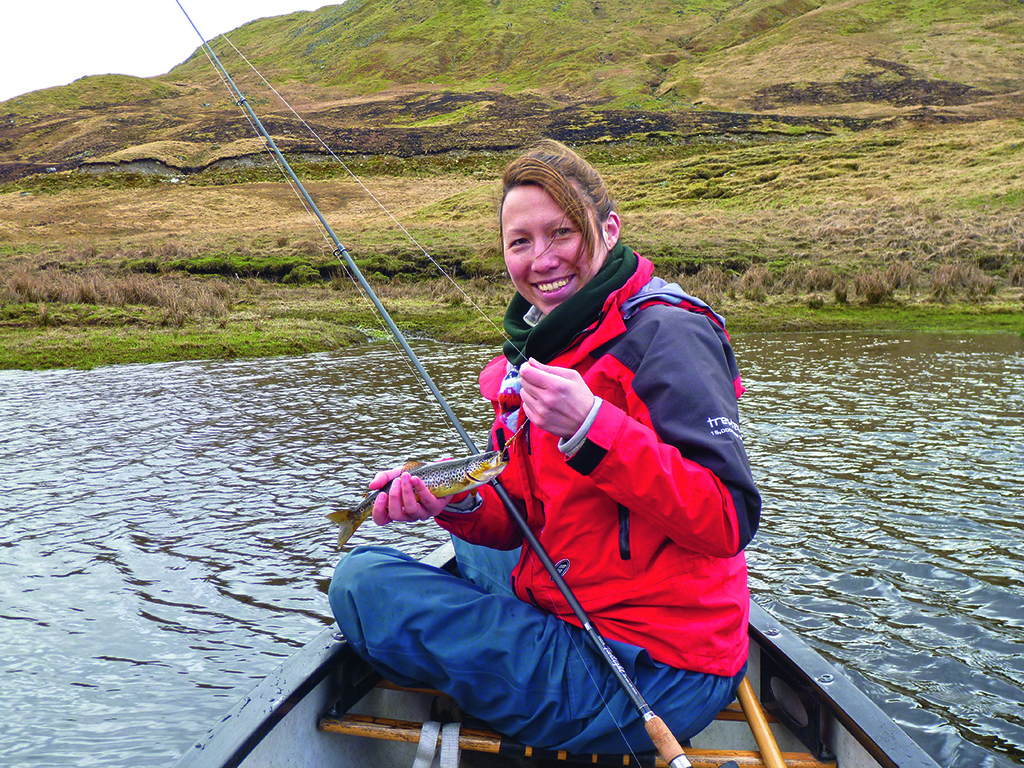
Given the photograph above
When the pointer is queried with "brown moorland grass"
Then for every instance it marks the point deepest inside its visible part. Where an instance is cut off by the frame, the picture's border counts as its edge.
(891, 221)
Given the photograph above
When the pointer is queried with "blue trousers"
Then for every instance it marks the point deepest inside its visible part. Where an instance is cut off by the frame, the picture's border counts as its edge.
(527, 673)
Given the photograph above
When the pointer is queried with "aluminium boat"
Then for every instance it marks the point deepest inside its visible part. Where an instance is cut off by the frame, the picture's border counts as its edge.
(324, 707)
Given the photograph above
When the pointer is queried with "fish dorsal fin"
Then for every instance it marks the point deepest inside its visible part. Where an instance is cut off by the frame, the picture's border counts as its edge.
(411, 464)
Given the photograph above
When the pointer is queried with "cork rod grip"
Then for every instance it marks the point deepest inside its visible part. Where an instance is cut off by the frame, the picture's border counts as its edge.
(666, 744)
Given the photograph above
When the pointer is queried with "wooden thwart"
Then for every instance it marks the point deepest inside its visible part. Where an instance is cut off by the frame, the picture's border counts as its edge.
(474, 739)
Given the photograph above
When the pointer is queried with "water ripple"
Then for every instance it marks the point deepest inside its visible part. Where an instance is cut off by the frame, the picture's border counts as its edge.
(893, 475)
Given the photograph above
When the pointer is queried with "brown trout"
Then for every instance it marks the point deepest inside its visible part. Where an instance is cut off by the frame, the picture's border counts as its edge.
(443, 478)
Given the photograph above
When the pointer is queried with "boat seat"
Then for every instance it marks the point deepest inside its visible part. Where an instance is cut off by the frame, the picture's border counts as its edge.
(475, 736)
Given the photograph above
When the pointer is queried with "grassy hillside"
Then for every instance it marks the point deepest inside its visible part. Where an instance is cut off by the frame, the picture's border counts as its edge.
(414, 76)
(725, 54)
(569, 48)
(845, 163)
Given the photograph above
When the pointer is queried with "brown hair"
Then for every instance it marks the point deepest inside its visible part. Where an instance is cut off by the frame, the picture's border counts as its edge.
(573, 183)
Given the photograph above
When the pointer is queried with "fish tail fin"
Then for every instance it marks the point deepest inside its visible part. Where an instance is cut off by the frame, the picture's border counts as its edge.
(340, 516)
(345, 531)
(348, 520)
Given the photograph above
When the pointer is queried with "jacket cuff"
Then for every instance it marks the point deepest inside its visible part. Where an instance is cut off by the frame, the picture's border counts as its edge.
(464, 503)
(572, 445)
(605, 425)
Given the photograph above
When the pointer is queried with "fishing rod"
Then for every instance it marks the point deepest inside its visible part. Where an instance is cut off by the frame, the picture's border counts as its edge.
(339, 250)
(661, 736)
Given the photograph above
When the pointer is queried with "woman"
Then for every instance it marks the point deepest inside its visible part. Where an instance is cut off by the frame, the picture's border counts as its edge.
(616, 397)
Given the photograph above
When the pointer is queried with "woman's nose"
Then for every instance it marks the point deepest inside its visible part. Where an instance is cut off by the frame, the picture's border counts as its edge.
(545, 256)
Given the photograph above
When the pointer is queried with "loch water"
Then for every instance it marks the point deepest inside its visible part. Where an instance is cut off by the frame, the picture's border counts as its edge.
(163, 542)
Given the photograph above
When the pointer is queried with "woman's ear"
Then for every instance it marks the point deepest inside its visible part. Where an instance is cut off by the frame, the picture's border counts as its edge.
(610, 230)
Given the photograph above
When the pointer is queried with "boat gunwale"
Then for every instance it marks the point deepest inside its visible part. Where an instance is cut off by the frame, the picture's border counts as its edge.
(866, 722)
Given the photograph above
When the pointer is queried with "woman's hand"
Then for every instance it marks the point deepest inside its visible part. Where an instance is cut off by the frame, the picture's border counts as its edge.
(407, 500)
(555, 399)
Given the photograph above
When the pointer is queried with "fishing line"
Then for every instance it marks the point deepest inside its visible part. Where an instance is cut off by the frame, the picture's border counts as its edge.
(291, 185)
(370, 194)
(340, 251)
(325, 232)
(657, 730)
(224, 81)
(312, 132)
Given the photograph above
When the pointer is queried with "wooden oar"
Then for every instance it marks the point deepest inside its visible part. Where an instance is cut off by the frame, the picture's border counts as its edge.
(769, 748)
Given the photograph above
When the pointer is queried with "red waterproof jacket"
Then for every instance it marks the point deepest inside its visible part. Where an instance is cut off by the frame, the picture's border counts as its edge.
(648, 520)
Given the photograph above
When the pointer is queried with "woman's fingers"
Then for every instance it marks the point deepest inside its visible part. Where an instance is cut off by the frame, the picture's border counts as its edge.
(556, 399)
(407, 499)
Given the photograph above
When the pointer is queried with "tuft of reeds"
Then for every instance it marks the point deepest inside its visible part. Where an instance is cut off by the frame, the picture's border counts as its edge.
(961, 279)
(181, 297)
(897, 282)
(756, 283)
(874, 287)
(1015, 277)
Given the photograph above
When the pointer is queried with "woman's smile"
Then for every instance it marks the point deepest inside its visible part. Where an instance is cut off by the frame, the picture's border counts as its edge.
(554, 285)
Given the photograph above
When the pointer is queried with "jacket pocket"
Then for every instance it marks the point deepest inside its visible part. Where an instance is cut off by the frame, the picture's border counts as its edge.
(623, 532)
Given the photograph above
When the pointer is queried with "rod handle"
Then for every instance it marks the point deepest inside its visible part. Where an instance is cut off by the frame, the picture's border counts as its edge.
(666, 744)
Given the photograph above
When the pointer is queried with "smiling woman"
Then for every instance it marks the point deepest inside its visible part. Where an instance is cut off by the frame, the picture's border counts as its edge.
(603, 398)
(555, 232)
(546, 253)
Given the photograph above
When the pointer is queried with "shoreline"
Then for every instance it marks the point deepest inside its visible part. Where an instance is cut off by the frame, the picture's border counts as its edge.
(304, 320)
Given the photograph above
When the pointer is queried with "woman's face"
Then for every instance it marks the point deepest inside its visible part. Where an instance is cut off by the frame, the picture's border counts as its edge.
(541, 247)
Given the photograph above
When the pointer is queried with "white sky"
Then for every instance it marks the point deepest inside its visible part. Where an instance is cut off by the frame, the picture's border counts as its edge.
(44, 43)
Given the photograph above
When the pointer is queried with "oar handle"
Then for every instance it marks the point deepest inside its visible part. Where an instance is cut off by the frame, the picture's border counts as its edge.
(766, 744)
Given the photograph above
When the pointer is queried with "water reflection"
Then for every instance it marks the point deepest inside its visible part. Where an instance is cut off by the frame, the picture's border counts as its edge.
(163, 542)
